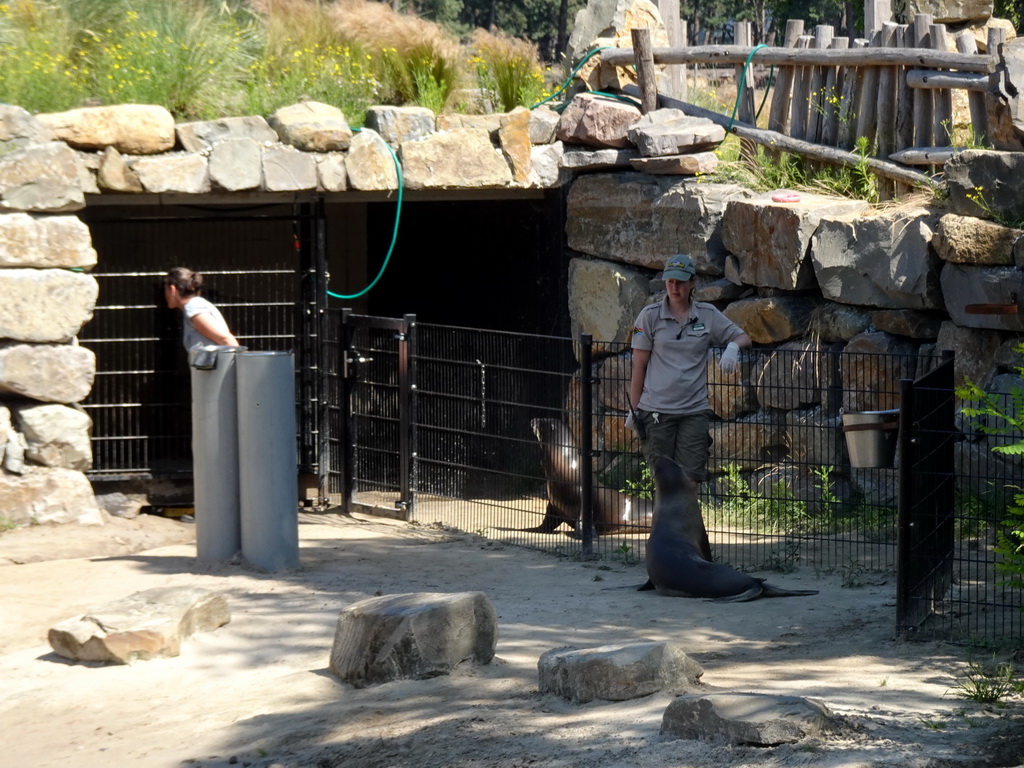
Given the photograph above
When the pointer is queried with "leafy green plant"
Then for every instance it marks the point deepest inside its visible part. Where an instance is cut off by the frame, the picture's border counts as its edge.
(643, 487)
(987, 684)
(1009, 423)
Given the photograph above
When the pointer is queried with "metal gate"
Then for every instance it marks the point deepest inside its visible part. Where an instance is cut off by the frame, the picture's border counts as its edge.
(925, 537)
(264, 270)
(371, 413)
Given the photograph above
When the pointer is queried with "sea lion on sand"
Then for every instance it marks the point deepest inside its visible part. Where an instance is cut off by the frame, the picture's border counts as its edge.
(614, 512)
(674, 564)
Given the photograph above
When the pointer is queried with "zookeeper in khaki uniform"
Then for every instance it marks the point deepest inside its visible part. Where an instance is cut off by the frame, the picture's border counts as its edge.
(672, 341)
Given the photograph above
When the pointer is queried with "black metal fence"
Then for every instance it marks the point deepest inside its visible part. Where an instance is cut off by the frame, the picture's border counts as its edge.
(782, 492)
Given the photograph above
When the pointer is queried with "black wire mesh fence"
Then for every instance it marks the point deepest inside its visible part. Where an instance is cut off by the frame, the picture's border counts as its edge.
(782, 490)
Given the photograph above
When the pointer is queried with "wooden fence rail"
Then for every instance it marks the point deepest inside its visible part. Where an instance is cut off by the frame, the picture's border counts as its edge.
(892, 93)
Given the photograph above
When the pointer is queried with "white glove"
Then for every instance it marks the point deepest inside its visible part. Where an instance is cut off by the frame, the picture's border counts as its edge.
(730, 358)
(629, 420)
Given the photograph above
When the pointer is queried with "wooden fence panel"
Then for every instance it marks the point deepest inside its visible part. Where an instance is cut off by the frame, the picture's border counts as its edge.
(923, 124)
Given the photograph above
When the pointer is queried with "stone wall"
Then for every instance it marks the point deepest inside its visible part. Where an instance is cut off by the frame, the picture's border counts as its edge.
(51, 163)
(821, 275)
(796, 275)
(48, 295)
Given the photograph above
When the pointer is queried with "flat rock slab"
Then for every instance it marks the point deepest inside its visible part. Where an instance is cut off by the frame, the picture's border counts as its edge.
(412, 636)
(146, 625)
(617, 672)
(756, 719)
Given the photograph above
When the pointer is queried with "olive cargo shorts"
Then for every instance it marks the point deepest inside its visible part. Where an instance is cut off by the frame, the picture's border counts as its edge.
(684, 438)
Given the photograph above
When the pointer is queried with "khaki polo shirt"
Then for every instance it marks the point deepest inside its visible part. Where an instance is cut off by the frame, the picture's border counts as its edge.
(676, 380)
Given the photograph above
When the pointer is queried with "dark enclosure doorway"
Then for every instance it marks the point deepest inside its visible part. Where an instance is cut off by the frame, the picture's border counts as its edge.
(494, 264)
(490, 263)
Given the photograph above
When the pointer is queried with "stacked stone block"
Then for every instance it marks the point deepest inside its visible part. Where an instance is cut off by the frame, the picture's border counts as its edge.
(46, 254)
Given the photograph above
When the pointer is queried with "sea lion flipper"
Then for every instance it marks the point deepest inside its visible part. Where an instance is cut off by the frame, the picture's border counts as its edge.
(768, 590)
(755, 591)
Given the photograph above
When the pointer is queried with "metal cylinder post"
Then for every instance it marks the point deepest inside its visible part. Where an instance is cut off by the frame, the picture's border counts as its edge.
(215, 456)
(268, 479)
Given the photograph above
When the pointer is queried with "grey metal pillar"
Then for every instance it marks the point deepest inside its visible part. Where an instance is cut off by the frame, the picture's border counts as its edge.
(215, 453)
(268, 464)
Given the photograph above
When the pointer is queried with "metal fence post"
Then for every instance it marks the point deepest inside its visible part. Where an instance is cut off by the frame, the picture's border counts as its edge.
(586, 440)
(904, 507)
(406, 413)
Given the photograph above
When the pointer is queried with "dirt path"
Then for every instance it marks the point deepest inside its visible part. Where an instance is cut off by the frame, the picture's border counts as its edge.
(257, 691)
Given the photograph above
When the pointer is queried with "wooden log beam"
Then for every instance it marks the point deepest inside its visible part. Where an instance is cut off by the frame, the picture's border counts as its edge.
(925, 155)
(853, 57)
(927, 78)
(785, 143)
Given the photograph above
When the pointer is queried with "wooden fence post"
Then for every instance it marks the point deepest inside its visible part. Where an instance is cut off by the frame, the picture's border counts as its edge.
(922, 98)
(676, 39)
(965, 43)
(904, 97)
(646, 75)
(833, 96)
(782, 92)
(942, 102)
(801, 94)
(823, 35)
(745, 90)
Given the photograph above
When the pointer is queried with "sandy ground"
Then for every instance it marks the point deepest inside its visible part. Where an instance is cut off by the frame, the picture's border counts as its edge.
(257, 692)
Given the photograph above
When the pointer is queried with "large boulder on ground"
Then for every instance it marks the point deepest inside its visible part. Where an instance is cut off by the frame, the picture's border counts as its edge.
(617, 672)
(133, 129)
(146, 625)
(610, 23)
(953, 11)
(754, 719)
(412, 636)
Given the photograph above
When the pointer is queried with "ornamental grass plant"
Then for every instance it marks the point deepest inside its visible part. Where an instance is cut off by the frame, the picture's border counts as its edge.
(507, 69)
(212, 58)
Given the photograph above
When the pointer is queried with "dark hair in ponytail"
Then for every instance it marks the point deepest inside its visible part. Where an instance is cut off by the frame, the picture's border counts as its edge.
(187, 282)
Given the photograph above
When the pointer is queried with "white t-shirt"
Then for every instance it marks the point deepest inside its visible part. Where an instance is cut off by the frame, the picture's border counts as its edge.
(197, 305)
